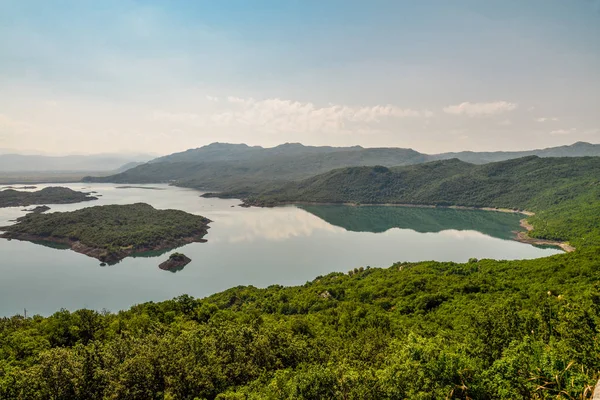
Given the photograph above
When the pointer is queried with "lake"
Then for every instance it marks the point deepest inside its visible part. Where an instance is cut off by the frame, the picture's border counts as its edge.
(246, 246)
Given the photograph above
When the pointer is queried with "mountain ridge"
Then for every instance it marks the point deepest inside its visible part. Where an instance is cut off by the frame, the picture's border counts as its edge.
(224, 166)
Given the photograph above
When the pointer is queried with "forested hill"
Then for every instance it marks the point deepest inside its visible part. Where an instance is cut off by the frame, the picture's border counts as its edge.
(513, 183)
(226, 166)
(221, 166)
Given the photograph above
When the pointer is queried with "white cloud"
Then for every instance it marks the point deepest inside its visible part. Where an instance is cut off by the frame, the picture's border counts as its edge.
(563, 131)
(212, 98)
(545, 119)
(279, 225)
(480, 109)
(277, 115)
(294, 115)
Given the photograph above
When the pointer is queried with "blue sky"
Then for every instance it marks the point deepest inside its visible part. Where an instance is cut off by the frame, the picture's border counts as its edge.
(163, 76)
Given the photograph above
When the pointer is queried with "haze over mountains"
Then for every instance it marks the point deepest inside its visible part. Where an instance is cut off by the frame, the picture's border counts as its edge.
(579, 149)
(222, 166)
(95, 162)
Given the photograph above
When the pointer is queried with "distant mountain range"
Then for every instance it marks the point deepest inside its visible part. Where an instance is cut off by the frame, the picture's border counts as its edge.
(579, 149)
(81, 163)
(223, 166)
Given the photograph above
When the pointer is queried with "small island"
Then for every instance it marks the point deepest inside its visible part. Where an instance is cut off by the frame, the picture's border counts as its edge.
(49, 195)
(175, 263)
(37, 210)
(112, 232)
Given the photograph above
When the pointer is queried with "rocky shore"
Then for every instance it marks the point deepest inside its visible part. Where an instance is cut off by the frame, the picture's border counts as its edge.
(524, 237)
(175, 263)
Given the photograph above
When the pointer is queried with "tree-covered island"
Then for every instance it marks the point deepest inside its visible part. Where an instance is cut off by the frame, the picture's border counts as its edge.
(49, 195)
(112, 232)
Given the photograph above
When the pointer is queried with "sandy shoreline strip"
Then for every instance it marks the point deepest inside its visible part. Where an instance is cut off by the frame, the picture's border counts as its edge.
(523, 237)
(317, 203)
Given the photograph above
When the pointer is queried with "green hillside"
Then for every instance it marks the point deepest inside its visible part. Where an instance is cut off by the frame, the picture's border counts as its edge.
(226, 166)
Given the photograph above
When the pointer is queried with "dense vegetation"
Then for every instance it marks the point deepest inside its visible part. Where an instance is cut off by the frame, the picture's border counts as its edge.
(485, 329)
(177, 257)
(112, 232)
(49, 195)
(222, 166)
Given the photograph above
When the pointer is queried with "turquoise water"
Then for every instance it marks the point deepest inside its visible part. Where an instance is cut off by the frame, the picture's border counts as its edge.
(246, 246)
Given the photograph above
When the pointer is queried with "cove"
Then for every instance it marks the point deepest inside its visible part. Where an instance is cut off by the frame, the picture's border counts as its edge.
(246, 246)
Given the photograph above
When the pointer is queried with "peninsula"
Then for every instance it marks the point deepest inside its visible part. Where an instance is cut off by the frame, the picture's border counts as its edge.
(49, 195)
(112, 232)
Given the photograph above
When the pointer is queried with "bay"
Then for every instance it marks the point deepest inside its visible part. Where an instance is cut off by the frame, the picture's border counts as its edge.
(246, 246)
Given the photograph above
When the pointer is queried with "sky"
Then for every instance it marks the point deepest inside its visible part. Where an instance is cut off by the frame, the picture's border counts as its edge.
(122, 76)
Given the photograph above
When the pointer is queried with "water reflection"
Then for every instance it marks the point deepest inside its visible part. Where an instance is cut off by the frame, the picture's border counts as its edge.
(378, 219)
(277, 225)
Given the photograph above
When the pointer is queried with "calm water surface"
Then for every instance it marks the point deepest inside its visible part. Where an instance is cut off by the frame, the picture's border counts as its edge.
(260, 247)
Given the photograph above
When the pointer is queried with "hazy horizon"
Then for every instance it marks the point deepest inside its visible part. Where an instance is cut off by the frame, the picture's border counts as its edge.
(166, 76)
(132, 154)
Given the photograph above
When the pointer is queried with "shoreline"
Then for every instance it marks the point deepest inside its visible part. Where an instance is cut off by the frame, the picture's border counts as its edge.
(247, 204)
(351, 204)
(502, 210)
(521, 236)
(524, 237)
(101, 254)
